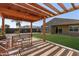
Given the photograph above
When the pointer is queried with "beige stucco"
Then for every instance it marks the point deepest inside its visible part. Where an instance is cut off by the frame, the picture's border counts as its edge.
(65, 29)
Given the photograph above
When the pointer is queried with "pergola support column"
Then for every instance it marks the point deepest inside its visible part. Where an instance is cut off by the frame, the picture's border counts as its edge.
(31, 32)
(44, 29)
(3, 25)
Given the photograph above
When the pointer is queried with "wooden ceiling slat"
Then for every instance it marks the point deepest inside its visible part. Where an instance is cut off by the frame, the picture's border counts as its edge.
(36, 9)
(13, 17)
(23, 5)
(42, 8)
(42, 11)
(17, 14)
(52, 7)
(35, 13)
(62, 6)
(16, 8)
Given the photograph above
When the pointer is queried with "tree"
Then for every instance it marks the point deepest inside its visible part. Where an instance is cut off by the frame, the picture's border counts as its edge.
(18, 25)
(7, 26)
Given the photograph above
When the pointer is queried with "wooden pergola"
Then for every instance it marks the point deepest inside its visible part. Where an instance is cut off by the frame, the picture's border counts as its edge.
(31, 12)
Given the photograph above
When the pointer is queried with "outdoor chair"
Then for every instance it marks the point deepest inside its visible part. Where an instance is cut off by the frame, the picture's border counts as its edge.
(2, 37)
(3, 40)
(3, 47)
(15, 49)
(26, 40)
(17, 43)
(3, 44)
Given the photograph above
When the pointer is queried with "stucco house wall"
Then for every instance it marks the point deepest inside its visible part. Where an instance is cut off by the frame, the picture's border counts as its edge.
(65, 30)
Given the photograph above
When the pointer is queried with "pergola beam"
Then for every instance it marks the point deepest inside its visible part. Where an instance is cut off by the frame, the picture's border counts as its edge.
(52, 7)
(19, 9)
(3, 25)
(35, 13)
(44, 29)
(38, 10)
(31, 32)
(18, 14)
(63, 7)
(42, 8)
(27, 7)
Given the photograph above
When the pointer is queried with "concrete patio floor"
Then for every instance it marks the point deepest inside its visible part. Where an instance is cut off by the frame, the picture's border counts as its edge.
(40, 48)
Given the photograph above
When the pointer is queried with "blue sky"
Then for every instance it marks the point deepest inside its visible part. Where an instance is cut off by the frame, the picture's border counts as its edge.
(71, 15)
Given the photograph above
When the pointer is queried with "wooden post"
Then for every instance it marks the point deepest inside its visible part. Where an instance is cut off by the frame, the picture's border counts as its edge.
(44, 29)
(31, 32)
(3, 25)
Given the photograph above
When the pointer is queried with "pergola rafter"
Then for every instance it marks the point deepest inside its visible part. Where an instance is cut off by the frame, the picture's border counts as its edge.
(27, 7)
(17, 14)
(63, 7)
(52, 7)
(38, 10)
(20, 9)
(73, 5)
(33, 11)
(42, 8)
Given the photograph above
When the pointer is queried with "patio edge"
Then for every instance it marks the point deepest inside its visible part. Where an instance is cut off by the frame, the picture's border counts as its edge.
(64, 46)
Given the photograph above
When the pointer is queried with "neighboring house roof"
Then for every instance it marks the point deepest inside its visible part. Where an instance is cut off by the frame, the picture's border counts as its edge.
(62, 21)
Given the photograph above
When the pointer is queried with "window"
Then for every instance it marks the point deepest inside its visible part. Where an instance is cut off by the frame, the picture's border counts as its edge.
(76, 29)
(73, 28)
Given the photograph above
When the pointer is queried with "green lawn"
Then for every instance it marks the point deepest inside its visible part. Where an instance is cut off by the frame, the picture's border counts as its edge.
(65, 40)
